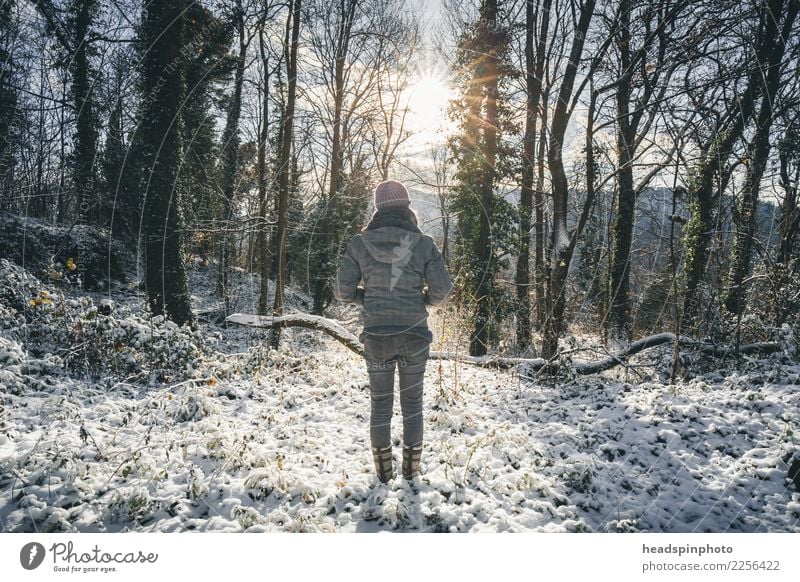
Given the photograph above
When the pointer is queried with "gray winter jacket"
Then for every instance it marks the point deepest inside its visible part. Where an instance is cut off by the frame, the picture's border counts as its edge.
(402, 272)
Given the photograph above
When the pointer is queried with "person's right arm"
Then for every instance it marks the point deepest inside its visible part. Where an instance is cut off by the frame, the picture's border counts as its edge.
(437, 278)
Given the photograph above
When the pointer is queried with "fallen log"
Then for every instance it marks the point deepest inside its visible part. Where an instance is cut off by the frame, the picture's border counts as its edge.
(317, 322)
(696, 346)
(338, 332)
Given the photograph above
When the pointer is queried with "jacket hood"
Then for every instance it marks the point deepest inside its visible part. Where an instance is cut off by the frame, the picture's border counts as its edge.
(391, 244)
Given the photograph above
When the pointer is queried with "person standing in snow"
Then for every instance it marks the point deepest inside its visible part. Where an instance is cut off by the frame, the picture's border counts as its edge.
(402, 272)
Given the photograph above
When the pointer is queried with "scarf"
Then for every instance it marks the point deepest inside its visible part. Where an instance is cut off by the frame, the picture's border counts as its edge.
(399, 216)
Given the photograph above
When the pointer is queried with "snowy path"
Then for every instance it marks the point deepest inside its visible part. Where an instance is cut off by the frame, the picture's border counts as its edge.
(285, 449)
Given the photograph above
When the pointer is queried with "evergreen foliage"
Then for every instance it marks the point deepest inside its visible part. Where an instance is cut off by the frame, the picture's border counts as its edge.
(486, 221)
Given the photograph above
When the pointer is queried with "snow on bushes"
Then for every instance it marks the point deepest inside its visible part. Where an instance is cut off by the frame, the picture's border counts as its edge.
(114, 421)
(80, 254)
(93, 338)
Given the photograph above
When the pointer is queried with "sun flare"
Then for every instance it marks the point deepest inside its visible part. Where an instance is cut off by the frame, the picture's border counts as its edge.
(428, 98)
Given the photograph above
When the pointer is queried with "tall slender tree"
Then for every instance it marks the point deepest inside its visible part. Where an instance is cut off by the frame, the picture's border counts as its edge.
(562, 240)
(342, 17)
(534, 74)
(210, 66)
(262, 171)
(163, 70)
(114, 153)
(486, 229)
(9, 112)
(85, 154)
(647, 46)
(789, 171)
(285, 161)
(230, 158)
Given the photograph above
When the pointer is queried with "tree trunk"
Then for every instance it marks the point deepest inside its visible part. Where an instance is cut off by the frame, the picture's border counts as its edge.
(534, 68)
(592, 289)
(39, 206)
(745, 216)
(522, 278)
(789, 212)
(263, 201)
(230, 157)
(165, 274)
(560, 237)
(86, 130)
(115, 208)
(285, 167)
(8, 105)
(488, 76)
(539, 268)
(63, 200)
(619, 268)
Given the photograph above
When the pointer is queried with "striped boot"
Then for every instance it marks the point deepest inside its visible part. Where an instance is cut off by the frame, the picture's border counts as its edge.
(411, 460)
(383, 463)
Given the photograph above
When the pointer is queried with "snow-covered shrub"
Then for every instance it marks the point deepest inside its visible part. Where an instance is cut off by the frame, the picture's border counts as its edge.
(100, 340)
(774, 294)
(18, 286)
(129, 504)
(196, 483)
(94, 338)
(11, 353)
(576, 472)
(262, 482)
(17, 372)
(309, 522)
(246, 516)
(29, 310)
(45, 518)
(80, 254)
(789, 338)
(262, 360)
(193, 403)
(9, 318)
(172, 351)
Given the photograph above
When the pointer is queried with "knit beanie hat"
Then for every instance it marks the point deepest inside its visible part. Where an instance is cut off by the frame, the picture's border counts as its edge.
(391, 193)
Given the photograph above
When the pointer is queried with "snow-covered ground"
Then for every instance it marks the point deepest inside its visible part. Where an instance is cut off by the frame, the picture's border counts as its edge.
(215, 432)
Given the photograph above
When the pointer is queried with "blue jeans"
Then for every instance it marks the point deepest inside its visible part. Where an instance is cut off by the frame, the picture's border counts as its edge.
(409, 353)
